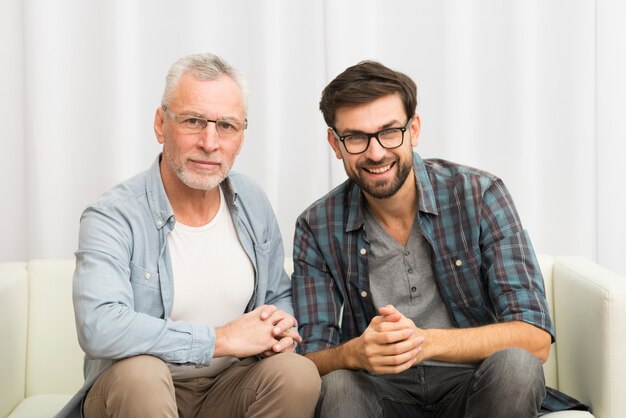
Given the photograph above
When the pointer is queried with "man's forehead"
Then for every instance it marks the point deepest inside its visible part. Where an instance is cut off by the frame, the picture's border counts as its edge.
(377, 114)
(197, 93)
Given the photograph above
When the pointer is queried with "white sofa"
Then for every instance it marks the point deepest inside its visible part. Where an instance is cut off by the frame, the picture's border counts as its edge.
(41, 362)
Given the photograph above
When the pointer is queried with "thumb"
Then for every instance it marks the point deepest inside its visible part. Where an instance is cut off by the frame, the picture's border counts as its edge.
(387, 310)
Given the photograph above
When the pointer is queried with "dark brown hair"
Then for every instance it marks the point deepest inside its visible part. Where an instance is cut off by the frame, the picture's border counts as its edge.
(363, 83)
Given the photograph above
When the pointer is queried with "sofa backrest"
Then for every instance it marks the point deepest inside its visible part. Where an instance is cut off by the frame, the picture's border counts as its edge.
(13, 334)
(54, 361)
(40, 293)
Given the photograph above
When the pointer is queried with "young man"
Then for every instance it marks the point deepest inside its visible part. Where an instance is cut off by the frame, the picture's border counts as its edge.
(182, 304)
(416, 289)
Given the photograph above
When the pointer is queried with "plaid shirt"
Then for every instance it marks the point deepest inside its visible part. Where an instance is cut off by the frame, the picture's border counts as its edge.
(484, 263)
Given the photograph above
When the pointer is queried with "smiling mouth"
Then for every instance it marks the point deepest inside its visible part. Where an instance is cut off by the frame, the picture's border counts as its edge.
(379, 170)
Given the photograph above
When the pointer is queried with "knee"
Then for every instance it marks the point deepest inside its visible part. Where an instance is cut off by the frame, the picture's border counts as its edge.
(295, 373)
(348, 393)
(135, 386)
(306, 377)
(516, 364)
(510, 380)
(144, 373)
(513, 373)
(339, 384)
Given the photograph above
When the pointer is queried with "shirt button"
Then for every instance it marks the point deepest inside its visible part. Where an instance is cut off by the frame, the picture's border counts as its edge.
(160, 222)
(147, 276)
(410, 271)
(363, 251)
(458, 263)
(364, 294)
(413, 289)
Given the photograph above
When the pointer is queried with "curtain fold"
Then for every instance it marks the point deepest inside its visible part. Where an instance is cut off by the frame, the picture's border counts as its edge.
(610, 139)
(532, 91)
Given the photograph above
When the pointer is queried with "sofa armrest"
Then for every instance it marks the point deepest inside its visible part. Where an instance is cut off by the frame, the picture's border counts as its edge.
(13, 334)
(54, 357)
(590, 317)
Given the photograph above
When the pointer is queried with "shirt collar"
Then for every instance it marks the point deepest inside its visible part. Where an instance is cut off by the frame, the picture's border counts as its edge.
(425, 193)
(160, 206)
(230, 192)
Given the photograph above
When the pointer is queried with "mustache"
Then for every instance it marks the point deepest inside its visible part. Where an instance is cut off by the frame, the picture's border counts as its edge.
(367, 162)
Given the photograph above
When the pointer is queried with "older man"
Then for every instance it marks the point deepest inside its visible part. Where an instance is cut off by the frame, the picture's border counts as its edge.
(182, 304)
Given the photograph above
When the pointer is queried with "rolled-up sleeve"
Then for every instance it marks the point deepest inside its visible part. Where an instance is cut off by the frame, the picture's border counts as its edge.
(317, 300)
(509, 262)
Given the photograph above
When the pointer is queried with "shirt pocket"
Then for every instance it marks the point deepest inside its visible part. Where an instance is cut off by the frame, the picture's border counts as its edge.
(146, 286)
(466, 292)
(140, 276)
(262, 255)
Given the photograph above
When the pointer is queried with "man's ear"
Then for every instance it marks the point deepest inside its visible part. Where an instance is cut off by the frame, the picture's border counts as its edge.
(415, 129)
(334, 143)
(159, 121)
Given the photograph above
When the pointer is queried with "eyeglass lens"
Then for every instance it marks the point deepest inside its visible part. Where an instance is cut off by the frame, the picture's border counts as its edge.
(388, 138)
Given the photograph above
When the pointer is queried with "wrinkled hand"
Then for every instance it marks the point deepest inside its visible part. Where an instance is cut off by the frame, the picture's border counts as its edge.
(390, 344)
(285, 331)
(265, 330)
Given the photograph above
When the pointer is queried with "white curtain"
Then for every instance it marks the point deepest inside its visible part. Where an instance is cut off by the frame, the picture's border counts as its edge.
(530, 90)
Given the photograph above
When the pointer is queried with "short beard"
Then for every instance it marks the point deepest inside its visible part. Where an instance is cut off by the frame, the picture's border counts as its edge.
(196, 180)
(192, 181)
(378, 191)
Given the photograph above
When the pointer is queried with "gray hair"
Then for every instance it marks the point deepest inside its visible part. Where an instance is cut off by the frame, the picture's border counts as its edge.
(205, 66)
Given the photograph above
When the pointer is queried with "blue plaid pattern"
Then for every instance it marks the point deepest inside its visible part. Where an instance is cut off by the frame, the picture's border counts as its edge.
(484, 263)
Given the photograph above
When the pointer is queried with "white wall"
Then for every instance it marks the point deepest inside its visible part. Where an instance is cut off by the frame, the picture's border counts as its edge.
(532, 91)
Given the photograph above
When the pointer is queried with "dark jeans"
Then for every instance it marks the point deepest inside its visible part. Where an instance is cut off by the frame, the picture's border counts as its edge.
(508, 384)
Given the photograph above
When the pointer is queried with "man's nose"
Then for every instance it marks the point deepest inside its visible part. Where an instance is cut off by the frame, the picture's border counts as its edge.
(209, 138)
(375, 151)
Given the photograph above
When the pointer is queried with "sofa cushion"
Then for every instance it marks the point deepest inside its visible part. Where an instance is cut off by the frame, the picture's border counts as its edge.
(40, 406)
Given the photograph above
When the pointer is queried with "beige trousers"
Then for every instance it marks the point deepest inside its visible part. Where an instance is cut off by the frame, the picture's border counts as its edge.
(283, 385)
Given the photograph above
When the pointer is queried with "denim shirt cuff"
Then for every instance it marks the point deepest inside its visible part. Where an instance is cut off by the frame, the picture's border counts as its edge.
(202, 345)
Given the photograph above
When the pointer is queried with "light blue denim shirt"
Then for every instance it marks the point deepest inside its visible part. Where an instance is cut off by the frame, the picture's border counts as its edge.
(123, 286)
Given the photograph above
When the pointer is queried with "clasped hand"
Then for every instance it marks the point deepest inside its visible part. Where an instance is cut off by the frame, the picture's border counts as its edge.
(266, 331)
(390, 344)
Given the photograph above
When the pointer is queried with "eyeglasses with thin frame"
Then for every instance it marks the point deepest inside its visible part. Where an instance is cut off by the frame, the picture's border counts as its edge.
(388, 138)
(226, 129)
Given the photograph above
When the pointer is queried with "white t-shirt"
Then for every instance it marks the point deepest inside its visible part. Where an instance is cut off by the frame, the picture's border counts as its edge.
(213, 280)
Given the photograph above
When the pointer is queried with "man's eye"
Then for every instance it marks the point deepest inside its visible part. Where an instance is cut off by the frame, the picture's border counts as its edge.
(226, 126)
(193, 122)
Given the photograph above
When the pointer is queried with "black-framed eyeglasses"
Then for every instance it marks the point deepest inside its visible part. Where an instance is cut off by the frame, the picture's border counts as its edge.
(191, 124)
(388, 138)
